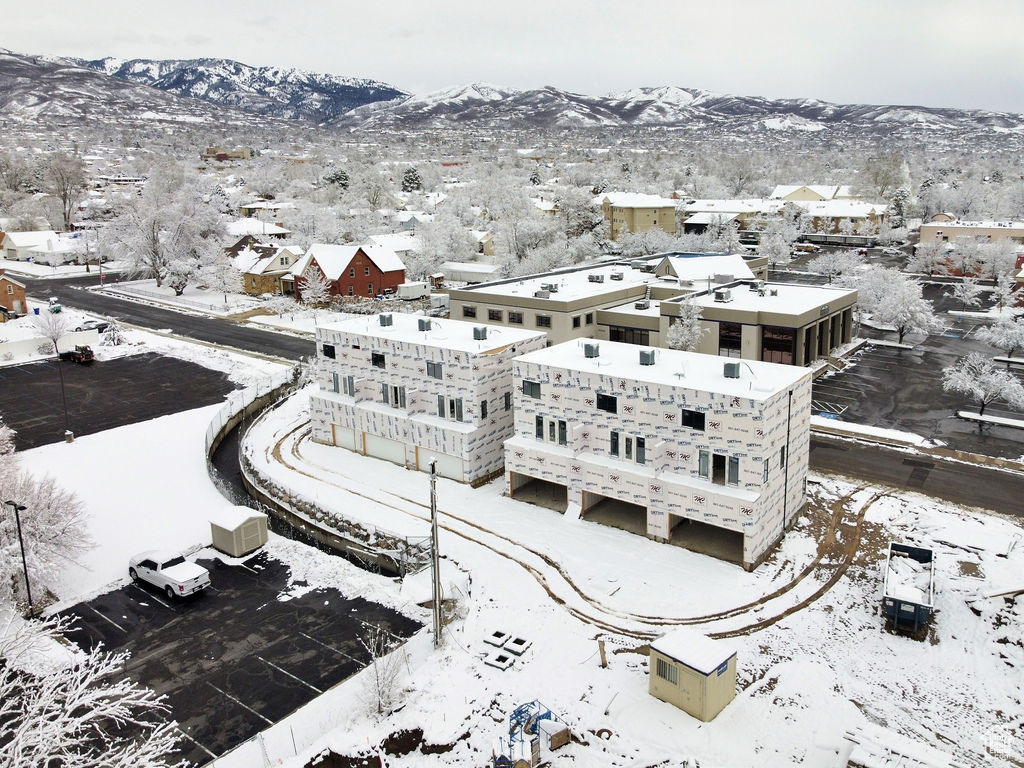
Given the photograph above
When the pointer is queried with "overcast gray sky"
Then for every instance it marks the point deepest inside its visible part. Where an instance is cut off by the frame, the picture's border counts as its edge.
(958, 53)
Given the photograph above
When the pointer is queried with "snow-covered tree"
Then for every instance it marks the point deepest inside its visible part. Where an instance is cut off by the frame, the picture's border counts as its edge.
(222, 276)
(1006, 334)
(535, 178)
(338, 177)
(66, 181)
(411, 180)
(967, 292)
(929, 257)
(997, 258)
(687, 330)
(114, 335)
(1004, 295)
(168, 224)
(835, 263)
(386, 662)
(977, 377)
(904, 308)
(314, 287)
(775, 248)
(76, 716)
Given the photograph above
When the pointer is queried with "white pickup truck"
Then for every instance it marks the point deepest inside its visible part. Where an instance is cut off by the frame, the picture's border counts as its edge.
(169, 572)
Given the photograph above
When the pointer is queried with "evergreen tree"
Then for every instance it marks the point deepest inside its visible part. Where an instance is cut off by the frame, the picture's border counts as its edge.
(411, 180)
(338, 177)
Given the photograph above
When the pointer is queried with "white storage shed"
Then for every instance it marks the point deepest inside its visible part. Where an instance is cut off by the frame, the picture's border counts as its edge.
(693, 672)
(237, 531)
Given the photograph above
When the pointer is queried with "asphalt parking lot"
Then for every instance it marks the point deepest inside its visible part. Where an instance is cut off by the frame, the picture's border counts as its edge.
(103, 395)
(237, 657)
(902, 389)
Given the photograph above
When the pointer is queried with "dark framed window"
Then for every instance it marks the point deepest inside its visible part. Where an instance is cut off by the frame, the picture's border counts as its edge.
(515, 318)
(613, 444)
(609, 403)
(328, 350)
(778, 345)
(377, 359)
(483, 409)
(730, 339)
(366, 271)
(543, 321)
(589, 318)
(734, 470)
(563, 433)
(469, 311)
(351, 290)
(369, 289)
(538, 427)
(641, 450)
(782, 457)
(494, 315)
(352, 272)
(508, 401)
(629, 335)
(693, 419)
(434, 370)
(576, 321)
(531, 388)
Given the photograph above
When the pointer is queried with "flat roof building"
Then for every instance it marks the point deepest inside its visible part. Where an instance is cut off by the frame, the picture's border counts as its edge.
(409, 388)
(682, 447)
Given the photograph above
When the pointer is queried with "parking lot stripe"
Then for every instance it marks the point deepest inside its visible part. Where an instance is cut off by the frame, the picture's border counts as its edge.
(239, 703)
(286, 672)
(331, 648)
(151, 597)
(211, 754)
(106, 619)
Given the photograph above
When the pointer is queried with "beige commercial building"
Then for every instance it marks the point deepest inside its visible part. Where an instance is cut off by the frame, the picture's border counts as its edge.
(945, 228)
(635, 212)
(692, 672)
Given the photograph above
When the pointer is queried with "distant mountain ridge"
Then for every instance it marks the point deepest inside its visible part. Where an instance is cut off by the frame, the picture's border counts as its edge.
(484, 105)
(292, 94)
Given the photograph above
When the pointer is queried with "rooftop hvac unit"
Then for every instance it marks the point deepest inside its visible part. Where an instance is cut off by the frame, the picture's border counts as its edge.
(553, 287)
(722, 278)
(591, 350)
(646, 357)
(595, 278)
(724, 295)
(423, 323)
(757, 285)
(542, 294)
(616, 275)
(479, 332)
(773, 291)
(732, 370)
(643, 304)
(386, 320)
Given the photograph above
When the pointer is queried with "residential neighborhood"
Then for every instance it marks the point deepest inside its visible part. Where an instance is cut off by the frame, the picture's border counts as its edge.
(573, 416)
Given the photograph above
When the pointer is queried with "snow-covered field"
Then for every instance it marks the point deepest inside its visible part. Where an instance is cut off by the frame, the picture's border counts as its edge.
(814, 657)
(814, 661)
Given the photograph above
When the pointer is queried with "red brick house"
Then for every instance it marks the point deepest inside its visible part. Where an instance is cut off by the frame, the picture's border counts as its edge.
(12, 296)
(366, 270)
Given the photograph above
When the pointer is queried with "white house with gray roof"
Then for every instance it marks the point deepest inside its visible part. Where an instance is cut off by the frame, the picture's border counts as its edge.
(682, 447)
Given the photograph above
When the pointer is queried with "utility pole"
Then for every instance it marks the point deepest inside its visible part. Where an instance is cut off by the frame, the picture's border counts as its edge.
(434, 557)
(18, 508)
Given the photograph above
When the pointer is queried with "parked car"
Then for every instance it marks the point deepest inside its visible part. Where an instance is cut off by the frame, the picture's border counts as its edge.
(93, 325)
(82, 353)
(892, 251)
(169, 572)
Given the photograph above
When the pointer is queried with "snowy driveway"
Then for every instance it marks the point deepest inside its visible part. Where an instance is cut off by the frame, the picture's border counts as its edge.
(239, 656)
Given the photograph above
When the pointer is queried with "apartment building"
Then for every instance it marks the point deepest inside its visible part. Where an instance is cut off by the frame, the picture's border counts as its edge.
(691, 449)
(410, 389)
(636, 212)
(945, 227)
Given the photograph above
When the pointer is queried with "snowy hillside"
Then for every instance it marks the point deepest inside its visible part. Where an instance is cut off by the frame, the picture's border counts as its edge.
(289, 93)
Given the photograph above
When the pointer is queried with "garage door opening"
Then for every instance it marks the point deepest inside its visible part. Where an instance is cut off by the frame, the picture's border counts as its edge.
(543, 493)
(706, 538)
(616, 513)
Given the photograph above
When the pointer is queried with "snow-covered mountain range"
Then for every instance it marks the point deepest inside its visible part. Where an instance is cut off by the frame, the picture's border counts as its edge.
(289, 93)
(483, 105)
(223, 91)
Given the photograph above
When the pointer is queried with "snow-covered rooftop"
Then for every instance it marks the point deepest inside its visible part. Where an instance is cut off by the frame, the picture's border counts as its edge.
(826, 191)
(976, 224)
(399, 242)
(706, 266)
(693, 649)
(442, 334)
(635, 200)
(230, 518)
(334, 259)
(247, 226)
(789, 298)
(29, 239)
(572, 284)
(691, 370)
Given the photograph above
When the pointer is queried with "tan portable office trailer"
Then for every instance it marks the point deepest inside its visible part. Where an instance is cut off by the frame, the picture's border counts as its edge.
(692, 672)
(237, 531)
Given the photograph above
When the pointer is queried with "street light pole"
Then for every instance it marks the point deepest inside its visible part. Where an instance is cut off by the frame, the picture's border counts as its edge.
(434, 556)
(18, 508)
